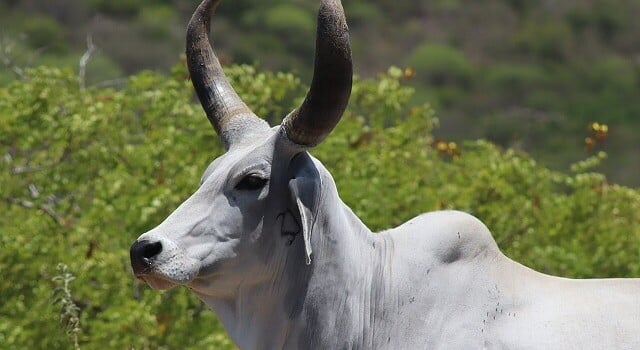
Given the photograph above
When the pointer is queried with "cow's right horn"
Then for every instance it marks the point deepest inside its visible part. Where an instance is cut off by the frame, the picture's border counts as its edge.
(330, 88)
(228, 114)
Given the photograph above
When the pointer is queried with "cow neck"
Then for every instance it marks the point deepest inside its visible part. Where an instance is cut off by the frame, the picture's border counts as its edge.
(332, 299)
(346, 284)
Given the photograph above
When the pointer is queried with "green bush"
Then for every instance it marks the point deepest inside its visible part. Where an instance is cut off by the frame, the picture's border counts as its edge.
(545, 40)
(606, 19)
(156, 21)
(512, 77)
(440, 65)
(124, 8)
(613, 72)
(362, 12)
(44, 33)
(290, 20)
(447, 5)
(101, 69)
(84, 172)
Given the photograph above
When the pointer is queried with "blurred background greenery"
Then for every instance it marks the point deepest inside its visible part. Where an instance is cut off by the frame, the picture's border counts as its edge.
(526, 74)
(92, 159)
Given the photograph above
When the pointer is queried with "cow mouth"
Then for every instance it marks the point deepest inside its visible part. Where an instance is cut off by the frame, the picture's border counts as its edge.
(163, 277)
(157, 282)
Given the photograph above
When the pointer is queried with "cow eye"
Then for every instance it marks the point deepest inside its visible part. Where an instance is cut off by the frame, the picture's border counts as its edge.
(251, 183)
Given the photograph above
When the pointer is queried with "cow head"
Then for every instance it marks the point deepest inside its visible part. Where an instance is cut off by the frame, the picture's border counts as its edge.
(258, 200)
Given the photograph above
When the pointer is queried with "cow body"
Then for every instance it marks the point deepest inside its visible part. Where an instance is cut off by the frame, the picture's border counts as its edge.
(438, 281)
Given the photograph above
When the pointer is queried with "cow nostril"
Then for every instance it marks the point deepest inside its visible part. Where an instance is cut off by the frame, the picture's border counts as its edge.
(151, 250)
(141, 254)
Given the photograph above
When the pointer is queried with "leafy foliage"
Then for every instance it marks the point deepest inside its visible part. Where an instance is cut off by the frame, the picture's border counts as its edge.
(84, 172)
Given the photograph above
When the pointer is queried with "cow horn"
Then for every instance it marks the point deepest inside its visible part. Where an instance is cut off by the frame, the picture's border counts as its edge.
(330, 88)
(228, 114)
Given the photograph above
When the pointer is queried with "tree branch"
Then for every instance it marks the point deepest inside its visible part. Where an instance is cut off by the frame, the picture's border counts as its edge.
(5, 57)
(84, 60)
(30, 205)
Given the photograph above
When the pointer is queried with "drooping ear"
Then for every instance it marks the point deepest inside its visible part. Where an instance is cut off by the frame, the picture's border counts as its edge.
(304, 187)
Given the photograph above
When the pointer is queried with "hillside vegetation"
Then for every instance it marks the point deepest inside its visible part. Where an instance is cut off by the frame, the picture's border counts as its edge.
(85, 171)
(521, 73)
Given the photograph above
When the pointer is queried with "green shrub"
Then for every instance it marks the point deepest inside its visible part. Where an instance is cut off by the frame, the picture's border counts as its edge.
(156, 21)
(608, 20)
(362, 12)
(545, 40)
(124, 8)
(612, 72)
(101, 69)
(512, 77)
(440, 65)
(44, 33)
(289, 20)
(447, 5)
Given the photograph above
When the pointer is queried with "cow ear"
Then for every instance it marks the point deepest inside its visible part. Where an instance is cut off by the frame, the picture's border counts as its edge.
(304, 194)
(304, 188)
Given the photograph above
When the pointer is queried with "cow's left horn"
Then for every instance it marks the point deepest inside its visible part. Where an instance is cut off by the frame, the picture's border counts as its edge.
(330, 88)
(228, 114)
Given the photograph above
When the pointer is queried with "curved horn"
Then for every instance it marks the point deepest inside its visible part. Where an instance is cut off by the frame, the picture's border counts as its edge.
(330, 88)
(228, 114)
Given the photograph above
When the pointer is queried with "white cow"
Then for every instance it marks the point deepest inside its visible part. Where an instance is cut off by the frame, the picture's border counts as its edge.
(267, 243)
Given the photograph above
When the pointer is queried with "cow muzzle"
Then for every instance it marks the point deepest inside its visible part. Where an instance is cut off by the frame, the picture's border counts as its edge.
(161, 262)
